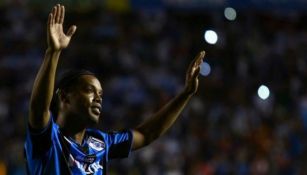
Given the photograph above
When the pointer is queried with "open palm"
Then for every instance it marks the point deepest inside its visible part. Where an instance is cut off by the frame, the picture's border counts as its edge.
(56, 38)
(192, 73)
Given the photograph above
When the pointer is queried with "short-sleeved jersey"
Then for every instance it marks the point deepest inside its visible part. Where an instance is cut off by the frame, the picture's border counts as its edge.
(50, 152)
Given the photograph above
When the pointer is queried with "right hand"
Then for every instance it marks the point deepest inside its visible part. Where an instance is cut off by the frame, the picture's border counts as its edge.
(191, 82)
(56, 38)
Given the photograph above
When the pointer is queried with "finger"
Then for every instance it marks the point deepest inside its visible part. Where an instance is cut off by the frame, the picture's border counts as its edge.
(193, 74)
(49, 19)
(72, 29)
(199, 58)
(196, 73)
(54, 10)
(58, 13)
(62, 14)
(53, 14)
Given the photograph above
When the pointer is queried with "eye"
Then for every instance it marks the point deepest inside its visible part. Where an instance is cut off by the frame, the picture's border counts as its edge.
(100, 95)
(89, 89)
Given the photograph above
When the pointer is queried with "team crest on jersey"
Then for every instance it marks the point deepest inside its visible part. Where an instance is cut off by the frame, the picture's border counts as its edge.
(96, 143)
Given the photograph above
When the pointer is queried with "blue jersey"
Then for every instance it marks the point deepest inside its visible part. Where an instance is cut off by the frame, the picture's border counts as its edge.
(50, 152)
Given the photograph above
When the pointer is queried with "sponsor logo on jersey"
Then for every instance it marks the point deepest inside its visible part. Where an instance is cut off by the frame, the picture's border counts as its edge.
(87, 158)
(96, 144)
(90, 158)
(87, 168)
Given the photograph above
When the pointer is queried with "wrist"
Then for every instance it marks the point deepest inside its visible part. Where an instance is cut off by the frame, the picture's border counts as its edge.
(52, 54)
(188, 92)
(52, 50)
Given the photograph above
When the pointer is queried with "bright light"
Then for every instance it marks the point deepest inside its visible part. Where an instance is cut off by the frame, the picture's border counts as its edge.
(263, 92)
(230, 13)
(211, 36)
(205, 69)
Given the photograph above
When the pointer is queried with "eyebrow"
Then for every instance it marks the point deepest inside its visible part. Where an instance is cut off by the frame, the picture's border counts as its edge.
(100, 90)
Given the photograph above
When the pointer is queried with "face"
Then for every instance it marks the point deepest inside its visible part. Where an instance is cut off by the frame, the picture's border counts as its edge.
(86, 98)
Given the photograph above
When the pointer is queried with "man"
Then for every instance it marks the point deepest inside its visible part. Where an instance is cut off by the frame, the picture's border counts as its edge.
(68, 145)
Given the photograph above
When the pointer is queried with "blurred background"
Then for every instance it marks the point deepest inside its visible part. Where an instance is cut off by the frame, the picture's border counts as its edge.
(248, 117)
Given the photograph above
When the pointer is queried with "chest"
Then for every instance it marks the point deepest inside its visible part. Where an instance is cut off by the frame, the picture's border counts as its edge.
(88, 158)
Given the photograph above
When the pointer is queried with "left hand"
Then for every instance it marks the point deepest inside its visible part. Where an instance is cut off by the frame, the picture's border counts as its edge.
(191, 82)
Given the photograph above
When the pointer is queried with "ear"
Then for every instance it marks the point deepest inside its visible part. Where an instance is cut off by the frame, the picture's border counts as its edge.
(63, 96)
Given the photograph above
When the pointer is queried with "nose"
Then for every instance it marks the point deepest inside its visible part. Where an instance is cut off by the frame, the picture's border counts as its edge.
(98, 98)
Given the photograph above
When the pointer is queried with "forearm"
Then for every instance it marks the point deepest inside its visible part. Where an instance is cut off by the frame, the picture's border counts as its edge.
(160, 122)
(42, 91)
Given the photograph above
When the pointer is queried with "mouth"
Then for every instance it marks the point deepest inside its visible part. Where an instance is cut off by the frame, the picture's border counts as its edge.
(96, 109)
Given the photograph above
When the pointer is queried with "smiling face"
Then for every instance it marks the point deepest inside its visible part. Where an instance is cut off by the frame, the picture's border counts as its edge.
(85, 98)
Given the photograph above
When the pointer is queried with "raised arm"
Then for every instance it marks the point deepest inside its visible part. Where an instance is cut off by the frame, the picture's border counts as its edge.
(161, 121)
(43, 87)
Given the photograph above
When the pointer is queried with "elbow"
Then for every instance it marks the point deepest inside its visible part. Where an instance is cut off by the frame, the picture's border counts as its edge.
(37, 112)
(38, 118)
(38, 106)
(149, 136)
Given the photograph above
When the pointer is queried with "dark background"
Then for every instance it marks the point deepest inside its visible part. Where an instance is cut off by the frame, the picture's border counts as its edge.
(141, 50)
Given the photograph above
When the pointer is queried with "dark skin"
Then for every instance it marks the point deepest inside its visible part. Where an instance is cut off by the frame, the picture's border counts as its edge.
(80, 107)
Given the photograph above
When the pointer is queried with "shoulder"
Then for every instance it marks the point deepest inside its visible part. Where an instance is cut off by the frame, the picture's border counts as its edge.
(97, 134)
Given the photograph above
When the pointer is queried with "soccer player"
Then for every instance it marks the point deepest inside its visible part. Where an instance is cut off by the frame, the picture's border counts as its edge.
(69, 145)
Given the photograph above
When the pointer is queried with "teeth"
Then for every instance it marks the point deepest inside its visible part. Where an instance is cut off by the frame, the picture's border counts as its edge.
(97, 109)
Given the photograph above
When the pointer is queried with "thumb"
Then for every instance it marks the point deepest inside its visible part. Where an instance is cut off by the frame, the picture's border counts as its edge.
(72, 29)
(196, 73)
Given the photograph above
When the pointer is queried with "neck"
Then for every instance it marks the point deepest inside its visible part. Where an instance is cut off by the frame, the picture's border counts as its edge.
(78, 137)
(71, 127)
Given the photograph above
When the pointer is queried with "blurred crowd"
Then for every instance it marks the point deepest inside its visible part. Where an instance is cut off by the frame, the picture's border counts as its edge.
(141, 58)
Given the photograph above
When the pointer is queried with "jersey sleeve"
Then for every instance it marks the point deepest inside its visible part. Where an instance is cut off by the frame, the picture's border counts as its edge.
(39, 141)
(120, 145)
